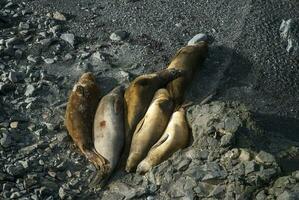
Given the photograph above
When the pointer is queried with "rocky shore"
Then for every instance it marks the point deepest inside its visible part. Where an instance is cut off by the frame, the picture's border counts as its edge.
(244, 141)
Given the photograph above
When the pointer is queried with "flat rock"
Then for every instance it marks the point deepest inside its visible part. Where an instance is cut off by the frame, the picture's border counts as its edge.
(69, 38)
(265, 158)
(119, 35)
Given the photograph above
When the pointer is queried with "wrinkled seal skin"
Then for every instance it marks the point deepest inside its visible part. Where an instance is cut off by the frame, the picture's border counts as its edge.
(150, 128)
(108, 130)
(79, 115)
(139, 95)
(190, 58)
(175, 137)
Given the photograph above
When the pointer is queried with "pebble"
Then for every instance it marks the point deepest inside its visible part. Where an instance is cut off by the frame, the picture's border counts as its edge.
(69, 38)
(244, 155)
(265, 158)
(23, 26)
(29, 90)
(6, 140)
(14, 125)
(15, 170)
(198, 38)
(49, 60)
(119, 35)
(12, 76)
(59, 16)
(31, 58)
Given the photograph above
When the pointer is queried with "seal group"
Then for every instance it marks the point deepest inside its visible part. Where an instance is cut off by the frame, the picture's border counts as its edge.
(136, 127)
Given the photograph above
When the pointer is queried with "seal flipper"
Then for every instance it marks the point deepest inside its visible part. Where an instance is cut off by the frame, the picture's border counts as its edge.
(160, 142)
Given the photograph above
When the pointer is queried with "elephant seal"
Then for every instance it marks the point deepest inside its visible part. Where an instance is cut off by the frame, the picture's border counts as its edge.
(175, 137)
(190, 58)
(150, 128)
(79, 115)
(108, 130)
(139, 95)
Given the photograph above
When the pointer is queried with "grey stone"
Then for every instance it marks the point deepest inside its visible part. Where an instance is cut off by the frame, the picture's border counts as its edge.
(198, 38)
(244, 155)
(250, 166)
(23, 26)
(59, 16)
(296, 175)
(119, 35)
(217, 191)
(31, 58)
(15, 195)
(69, 38)
(30, 89)
(289, 30)
(227, 139)
(15, 170)
(261, 195)
(287, 195)
(49, 60)
(265, 158)
(12, 76)
(6, 140)
(97, 56)
(13, 41)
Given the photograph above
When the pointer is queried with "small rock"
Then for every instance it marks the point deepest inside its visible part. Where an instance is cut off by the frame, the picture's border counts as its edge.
(15, 170)
(97, 56)
(12, 76)
(261, 195)
(69, 38)
(6, 140)
(227, 139)
(62, 193)
(49, 60)
(119, 35)
(265, 158)
(287, 195)
(198, 38)
(31, 58)
(67, 57)
(59, 16)
(250, 166)
(15, 195)
(23, 26)
(14, 125)
(289, 31)
(244, 155)
(29, 90)
(296, 175)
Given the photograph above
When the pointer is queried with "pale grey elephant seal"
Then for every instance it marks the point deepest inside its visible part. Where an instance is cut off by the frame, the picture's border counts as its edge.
(108, 130)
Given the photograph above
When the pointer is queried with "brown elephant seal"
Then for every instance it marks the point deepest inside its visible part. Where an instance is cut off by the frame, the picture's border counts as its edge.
(190, 58)
(80, 111)
(139, 95)
(175, 137)
(108, 130)
(150, 128)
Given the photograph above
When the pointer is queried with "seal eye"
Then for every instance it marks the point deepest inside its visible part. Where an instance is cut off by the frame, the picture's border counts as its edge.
(80, 90)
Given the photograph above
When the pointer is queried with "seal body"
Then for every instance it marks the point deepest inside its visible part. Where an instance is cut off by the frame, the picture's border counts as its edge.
(150, 128)
(108, 129)
(80, 111)
(189, 58)
(139, 95)
(175, 137)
